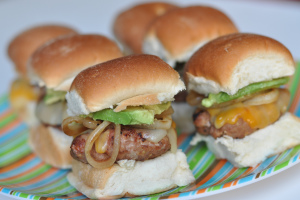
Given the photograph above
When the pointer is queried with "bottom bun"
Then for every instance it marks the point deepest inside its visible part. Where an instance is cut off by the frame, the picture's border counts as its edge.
(132, 178)
(26, 111)
(51, 145)
(183, 117)
(255, 148)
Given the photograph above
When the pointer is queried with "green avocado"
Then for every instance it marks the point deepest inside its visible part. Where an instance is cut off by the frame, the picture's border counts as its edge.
(222, 97)
(132, 115)
(53, 96)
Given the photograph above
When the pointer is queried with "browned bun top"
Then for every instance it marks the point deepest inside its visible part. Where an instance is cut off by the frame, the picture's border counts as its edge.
(236, 60)
(130, 26)
(61, 60)
(181, 29)
(24, 44)
(135, 80)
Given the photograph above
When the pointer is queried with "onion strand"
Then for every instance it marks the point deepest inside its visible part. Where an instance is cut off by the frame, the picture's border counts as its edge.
(173, 139)
(72, 126)
(90, 123)
(90, 143)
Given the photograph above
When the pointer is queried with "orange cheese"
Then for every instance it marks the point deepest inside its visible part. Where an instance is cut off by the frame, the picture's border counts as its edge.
(21, 90)
(256, 116)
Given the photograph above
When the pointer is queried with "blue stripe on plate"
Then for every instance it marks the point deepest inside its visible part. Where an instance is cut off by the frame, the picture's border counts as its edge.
(12, 133)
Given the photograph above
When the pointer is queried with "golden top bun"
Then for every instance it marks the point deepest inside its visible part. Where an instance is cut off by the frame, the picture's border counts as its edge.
(131, 80)
(56, 64)
(130, 25)
(24, 44)
(178, 33)
(234, 61)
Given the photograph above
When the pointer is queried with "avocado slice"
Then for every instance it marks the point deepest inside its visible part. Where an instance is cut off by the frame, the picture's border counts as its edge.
(222, 97)
(132, 115)
(53, 96)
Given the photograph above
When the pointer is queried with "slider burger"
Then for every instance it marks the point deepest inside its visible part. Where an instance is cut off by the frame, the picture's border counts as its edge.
(124, 142)
(22, 95)
(52, 68)
(130, 25)
(176, 35)
(236, 83)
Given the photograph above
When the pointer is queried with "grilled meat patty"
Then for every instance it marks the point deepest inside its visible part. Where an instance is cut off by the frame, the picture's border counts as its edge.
(204, 126)
(133, 146)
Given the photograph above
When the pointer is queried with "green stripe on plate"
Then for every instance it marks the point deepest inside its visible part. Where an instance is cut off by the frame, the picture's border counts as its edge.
(217, 187)
(59, 185)
(295, 81)
(282, 165)
(7, 120)
(25, 150)
(23, 195)
(14, 143)
(235, 175)
(263, 173)
(36, 198)
(197, 157)
(207, 164)
(27, 176)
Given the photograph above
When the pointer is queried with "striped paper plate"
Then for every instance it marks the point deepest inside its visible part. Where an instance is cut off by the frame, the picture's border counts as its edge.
(22, 174)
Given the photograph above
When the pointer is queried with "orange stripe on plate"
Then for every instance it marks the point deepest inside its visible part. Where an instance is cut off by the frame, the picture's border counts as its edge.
(217, 168)
(5, 114)
(181, 138)
(173, 196)
(227, 175)
(295, 101)
(38, 178)
(235, 182)
(50, 198)
(23, 173)
(248, 171)
(17, 164)
(10, 126)
(201, 191)
(226, 185)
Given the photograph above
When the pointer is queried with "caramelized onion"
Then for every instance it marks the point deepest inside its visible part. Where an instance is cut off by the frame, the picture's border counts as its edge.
(164, 123)
(101, 142)
(269, 96)
(167, 112)
(173, 139)
(91, 140)
(90, 123)
(194, 99)
(283, 100)
(72, 126)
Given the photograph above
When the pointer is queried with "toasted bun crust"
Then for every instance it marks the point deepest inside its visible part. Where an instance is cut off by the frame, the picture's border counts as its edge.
(180, 32)
(131, 80)
(130, 178)
(130, 26)
(51, 145)
(255, 148)
(232, 62)
(56, 64)
(24, 44)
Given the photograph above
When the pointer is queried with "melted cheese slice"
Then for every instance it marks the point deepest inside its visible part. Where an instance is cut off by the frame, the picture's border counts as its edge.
(21, 92)
(258, 116)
